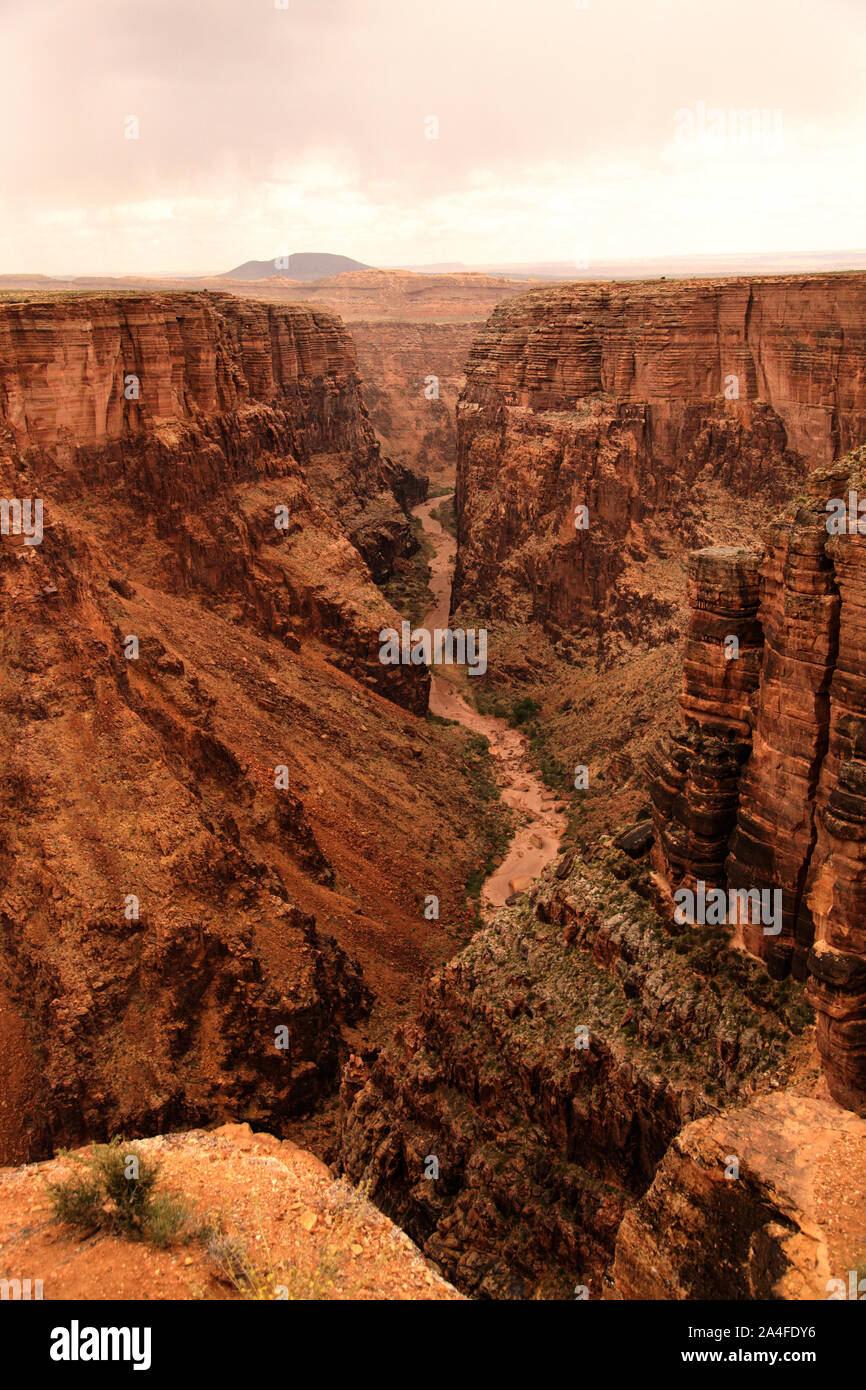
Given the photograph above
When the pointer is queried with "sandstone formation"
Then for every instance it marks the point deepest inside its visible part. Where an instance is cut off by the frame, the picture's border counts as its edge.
(765, 1202)
(204, 836)
(775, 832)
(650, 404)
(695, 774)
(835, 893)
(779, 807)
(110, 388)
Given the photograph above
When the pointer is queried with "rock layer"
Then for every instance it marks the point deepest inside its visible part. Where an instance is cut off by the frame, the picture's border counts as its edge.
(632, 400)
(746, 1205)
(172, 398)
(800, 827)
(695, 775)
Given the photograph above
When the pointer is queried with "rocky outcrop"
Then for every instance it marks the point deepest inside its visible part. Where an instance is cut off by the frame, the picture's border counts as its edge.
(800, 814)
(514, 1121)
(746, 1205)
(672, 412)
(266, 1221)
(695, 774)
(801, 826)
(774, 837)
(835, 895)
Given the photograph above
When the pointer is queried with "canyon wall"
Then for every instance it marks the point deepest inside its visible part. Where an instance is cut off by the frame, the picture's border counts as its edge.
(412, 375)
(96, 387)
(524, 1110)
(672, 411)
(206, 766)
(695, 772)
(767, 789)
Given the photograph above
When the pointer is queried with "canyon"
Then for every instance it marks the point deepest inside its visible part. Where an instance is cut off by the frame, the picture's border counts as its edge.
(233, 834)
(184, 870)
(654, 405)
(411, 333)
(551, 1152)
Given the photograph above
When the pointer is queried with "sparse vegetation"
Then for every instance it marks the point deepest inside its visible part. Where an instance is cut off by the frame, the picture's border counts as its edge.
(114, 1191)
(408, 588)
(446, 515)
(523, 710)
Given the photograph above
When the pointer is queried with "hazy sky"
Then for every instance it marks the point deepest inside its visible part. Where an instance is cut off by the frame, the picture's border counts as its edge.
(563, 132)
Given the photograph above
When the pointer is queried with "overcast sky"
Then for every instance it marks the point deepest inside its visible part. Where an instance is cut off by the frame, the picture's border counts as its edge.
(563, 132)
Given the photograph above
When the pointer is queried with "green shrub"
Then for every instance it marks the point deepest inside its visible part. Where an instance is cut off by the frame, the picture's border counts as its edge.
(114, 1191)
(523, 710)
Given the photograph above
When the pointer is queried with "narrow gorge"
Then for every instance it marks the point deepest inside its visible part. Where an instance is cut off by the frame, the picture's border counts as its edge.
(536, 841)
(585, 1070)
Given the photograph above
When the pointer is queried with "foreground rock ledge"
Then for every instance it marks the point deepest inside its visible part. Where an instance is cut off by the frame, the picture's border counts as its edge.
(793, 1220)
(319, 1238)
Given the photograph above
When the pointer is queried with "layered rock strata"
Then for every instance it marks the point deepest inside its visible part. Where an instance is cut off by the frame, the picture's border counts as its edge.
(695, 774)
(646, 404)
(775, 833)
(167, 402)
(835, 895)
(800, 830)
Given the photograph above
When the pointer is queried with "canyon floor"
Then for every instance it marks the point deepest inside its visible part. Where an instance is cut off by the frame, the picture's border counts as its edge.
(535, 841)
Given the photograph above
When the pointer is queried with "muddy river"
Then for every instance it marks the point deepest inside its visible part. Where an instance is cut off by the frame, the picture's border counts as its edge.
(540, 827)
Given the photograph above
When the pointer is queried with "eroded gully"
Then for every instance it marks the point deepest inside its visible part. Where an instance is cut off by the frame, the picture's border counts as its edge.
(537, 838)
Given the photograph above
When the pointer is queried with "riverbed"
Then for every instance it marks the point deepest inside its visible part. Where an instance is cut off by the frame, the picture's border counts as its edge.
(541, 826)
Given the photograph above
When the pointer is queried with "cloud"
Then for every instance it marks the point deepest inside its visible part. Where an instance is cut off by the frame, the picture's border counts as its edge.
(262, 129)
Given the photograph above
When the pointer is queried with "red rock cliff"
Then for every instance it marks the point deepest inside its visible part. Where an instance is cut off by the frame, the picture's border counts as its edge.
(642, 402)
(781, 804)
(178, 824)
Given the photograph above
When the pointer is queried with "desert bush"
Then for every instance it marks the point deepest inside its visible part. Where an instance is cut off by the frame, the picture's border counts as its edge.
(114, 1190)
